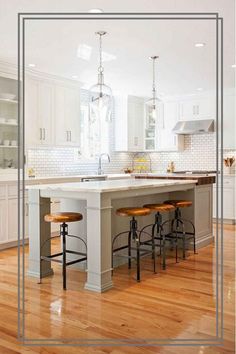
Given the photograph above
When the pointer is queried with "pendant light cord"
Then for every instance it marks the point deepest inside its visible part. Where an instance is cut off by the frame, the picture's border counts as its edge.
(154, 79)
(100, 69)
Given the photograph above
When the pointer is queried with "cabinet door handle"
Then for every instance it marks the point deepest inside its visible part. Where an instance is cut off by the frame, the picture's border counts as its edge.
(40, 133)
(193, 109)
(135, 141)
(70, 135)
(67, 135)
(44, 134)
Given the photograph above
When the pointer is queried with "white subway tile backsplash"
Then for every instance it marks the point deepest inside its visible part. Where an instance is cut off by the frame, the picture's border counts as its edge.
(199, 154)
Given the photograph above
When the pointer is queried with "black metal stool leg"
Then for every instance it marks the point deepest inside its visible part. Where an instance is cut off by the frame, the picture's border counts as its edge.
(129, 250)
(138, 256)
(64, 233)
(153, 253)
(164, 250)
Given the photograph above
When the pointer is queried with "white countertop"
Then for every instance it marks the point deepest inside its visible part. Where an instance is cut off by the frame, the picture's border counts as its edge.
(50, 179)
(111, 185)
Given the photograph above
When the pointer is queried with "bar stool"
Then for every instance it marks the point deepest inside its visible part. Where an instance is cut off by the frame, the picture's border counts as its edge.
(135, 235)
(63, 218)
(178, 224)
(157, 227)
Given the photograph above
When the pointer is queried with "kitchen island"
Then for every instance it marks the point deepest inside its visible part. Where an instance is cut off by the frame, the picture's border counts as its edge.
(102, 198)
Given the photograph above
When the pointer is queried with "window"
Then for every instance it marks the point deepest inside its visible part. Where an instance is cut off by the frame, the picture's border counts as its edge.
(94, 133)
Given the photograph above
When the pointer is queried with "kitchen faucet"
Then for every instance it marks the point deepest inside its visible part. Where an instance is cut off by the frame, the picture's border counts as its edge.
(100, 162)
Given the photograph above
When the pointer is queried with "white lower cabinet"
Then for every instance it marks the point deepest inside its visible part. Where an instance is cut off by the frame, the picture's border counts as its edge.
(12, 219)
(229, 192)
(3, 221)
(9, 216)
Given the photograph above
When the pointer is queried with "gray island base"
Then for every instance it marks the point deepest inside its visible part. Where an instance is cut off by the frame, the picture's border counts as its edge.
(98, 202)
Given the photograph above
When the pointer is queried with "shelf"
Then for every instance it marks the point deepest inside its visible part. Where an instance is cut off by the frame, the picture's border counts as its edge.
(5, 100)
(9, 124)
(8, 147)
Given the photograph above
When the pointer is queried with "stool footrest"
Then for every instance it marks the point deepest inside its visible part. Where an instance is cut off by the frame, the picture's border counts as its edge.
(50, 259)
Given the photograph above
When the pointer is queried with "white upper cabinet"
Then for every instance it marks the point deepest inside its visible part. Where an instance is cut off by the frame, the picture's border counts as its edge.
(166, 139)
(229, 119)
(52, 113)
(67, 116)
(197, 108)
(137, 131)
(129, 123)
(38, 113)
(45, 113)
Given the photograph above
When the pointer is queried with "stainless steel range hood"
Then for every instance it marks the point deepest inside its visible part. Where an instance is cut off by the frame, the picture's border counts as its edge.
(194, 127)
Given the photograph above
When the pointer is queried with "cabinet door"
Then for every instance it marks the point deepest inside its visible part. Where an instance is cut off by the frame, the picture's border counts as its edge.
(32, 126)
(61, 137)
(3, 221)
(45, 109)
(228, 203)
(12, 219)
(67, 116)
(201, 108)
(72, 116)
(135, 123)
(166, 139)
(38, 113)
(229, 119)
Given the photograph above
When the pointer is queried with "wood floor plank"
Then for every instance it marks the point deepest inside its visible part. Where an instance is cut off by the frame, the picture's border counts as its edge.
(176, 303)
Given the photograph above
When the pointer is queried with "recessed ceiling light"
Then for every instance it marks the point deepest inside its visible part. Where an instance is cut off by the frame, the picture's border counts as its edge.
(31, 65)
(233, 66)
(199, 45)
(96, 11)
(74, 77)
(199, 89)
(84, 51)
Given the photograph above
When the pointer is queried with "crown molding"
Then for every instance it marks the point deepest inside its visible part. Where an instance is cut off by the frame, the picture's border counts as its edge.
(10, 71)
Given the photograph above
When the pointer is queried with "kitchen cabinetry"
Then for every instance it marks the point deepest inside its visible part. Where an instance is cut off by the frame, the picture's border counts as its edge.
(229, 119)
(198, 108)
(229, 209)
(3, 218)
(38, 113)
(8, 123)
(67, 113)
(166, 139)
(137, 131)
(52, 113)
(129, 123)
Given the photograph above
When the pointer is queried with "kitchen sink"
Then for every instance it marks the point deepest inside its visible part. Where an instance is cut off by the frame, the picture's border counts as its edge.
(93, 178)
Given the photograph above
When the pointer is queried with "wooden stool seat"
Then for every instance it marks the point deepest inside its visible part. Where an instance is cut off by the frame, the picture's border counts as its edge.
(139, 211)
(63, 217)
(160, 207)
(179, 203)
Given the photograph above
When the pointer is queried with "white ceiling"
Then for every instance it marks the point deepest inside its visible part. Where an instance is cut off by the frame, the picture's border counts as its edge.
(182, 68)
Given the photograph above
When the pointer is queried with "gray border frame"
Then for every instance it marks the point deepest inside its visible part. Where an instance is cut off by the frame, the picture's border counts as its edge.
(22, 18)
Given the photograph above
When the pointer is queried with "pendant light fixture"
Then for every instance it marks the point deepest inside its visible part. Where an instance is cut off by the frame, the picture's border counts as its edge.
(100, 94)
(153, 102)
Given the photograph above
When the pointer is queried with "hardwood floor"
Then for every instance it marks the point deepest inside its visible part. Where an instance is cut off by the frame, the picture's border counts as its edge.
(177, 303)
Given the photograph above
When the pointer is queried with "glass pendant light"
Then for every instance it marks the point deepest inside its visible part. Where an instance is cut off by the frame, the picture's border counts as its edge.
(152, 103)
(100, 99)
